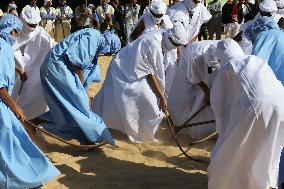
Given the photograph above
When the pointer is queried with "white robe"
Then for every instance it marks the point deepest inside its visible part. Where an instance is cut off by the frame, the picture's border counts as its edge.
(191, 15)
(247, 101)
(126, 102)
(186, 97)
(30, 52)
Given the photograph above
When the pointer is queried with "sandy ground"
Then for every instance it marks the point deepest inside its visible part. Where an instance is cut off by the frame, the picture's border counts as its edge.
(150, 165)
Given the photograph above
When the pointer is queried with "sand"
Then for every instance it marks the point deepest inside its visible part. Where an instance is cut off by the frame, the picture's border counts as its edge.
(149, 165)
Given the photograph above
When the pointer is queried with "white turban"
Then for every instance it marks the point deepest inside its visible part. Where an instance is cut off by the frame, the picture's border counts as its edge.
(178, 33)
(158, 7)
(210, 57)
(30, 16)
(227, 49)
(280, 3)
(268, 6)
(46, 1)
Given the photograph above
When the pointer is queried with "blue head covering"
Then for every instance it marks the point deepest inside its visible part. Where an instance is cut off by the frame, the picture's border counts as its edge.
(260, 25)
(9, 23)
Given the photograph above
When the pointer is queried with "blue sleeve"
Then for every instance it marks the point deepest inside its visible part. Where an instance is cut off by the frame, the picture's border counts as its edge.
(6, 68)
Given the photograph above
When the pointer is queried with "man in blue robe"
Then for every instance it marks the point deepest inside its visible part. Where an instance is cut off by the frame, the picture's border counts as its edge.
(22, 164)
(63, 77)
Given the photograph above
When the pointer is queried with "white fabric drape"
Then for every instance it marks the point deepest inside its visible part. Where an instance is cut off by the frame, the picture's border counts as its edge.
(126, 101)
(30, 51)
(247, 102)
(186, 97)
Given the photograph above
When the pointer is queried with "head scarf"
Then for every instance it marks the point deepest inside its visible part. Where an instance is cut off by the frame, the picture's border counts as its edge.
(9, 23)
(210, 57)
(12, 6)
(30, 16)
(280, 4)
(178, 34)
(158, 7)
(228, 49)
(268, 6)
(261, 24)
(46, 1)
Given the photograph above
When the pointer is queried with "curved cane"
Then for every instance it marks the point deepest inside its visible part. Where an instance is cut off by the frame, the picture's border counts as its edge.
(171, 125)
(94, 146)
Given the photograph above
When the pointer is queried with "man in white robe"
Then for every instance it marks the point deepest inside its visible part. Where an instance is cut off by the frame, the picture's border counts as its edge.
(191, 88)
(192, 13)
(247, 101)
(64, 14)
(132, 97)
(30, 50)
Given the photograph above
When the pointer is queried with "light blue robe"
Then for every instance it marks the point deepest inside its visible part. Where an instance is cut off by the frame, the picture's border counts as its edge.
(22, 164)
(69, 115)
(269, 45)
(111, 41)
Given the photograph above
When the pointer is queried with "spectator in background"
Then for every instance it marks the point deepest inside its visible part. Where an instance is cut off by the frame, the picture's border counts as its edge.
(83, 16)
(232, 17)
(119, 19)
(250, 10)
(215, 24)
(64, 14)
(131, 16)
(109, 38)
(48, 15)
(103, 9)
(12, 9)
(153, 19)
(32, 5)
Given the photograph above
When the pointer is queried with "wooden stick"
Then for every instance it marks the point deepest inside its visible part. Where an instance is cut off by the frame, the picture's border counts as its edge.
(95, 146)
(20, 91)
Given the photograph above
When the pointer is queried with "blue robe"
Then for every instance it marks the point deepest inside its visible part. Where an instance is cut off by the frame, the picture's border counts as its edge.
(111, 41)
(269, 45)
(22, 164)
(69, 113)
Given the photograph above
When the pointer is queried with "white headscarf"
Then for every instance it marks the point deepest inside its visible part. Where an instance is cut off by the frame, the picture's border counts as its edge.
(158, 7)
(177, 33)
(268, 6)
(228, 49)
(280, 3)
(210, 57)
(46, 1)
(30, 16)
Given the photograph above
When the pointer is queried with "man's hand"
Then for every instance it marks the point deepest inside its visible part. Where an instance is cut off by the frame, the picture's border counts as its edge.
(23, 76)
(163, 104)
(19, 113)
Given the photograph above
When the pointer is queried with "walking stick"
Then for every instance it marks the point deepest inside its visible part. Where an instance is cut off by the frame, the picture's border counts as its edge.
(171, 125)
(94, 146)
(178, 128)
(20, 91)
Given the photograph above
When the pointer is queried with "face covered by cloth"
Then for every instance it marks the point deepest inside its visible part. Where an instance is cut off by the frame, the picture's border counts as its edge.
(174, 37)
(228, 49)
(211, 59)
(30, 16)
(9, 23)
(158, 7)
